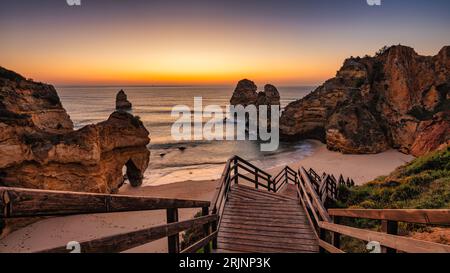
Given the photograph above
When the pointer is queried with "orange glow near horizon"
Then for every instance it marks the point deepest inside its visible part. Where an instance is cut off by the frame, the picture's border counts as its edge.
(151, 44)
(175, 60)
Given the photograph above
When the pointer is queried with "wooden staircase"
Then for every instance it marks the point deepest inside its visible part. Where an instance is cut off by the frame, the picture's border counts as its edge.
(285, 213)
(258, 221)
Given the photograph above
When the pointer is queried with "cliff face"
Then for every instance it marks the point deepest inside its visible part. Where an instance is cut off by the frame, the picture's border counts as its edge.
(396, 99)
(39, 148)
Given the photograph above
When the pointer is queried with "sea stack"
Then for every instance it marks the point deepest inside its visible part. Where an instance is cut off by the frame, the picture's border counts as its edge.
(122, 103)
(246, 94)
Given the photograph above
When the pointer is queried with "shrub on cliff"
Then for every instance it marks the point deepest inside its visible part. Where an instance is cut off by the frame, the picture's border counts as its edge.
(421, 184)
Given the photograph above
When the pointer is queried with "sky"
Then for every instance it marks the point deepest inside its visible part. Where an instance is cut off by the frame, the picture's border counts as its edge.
(138, 42)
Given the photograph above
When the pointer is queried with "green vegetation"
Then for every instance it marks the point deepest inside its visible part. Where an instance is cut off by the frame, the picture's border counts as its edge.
(382, 50)
(421, 184)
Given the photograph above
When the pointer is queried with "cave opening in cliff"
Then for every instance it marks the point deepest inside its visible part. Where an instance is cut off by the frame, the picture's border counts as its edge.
(132, 173)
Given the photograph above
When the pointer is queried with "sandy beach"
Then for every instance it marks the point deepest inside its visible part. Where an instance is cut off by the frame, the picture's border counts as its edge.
(54, 232)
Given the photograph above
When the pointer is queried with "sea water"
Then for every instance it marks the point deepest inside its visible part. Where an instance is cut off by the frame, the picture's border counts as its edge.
(174, 161)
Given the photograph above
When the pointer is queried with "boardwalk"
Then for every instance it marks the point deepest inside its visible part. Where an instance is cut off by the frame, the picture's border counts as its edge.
(259, 221)
(286, 213)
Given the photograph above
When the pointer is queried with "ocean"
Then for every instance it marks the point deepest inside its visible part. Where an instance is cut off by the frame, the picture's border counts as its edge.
(196, 160)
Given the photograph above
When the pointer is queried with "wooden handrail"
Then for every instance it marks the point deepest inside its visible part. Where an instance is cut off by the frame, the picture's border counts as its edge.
(306, 203)
(431, 217)
(329, 247)
(314, 197)
(202, 243)
(255, 173)
(284, 177)
(252, 166)
(392, 241)
(18, 202)
(220, 186)
(124, 241)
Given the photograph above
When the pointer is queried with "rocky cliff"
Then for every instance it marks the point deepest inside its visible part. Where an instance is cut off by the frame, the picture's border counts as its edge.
(39, 148)
(396, 99)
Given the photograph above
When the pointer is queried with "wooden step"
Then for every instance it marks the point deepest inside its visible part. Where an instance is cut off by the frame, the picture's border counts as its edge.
(258, 221)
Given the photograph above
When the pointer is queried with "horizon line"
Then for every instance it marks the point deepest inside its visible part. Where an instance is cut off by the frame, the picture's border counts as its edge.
(166, 85)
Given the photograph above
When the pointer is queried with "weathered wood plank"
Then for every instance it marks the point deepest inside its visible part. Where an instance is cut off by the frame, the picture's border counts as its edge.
(270, 211)
(299, 234)
(238, 248)
(251, 195)
(239, 218)
(270, 239)
(17, 202)
(260, 224)
(262, 204)
(264, 193)
(263, 215)
(396, 242)
(125, 241)
(281, 247)
(266, 228)
(270, 202)
(240, 195)
(431, 217)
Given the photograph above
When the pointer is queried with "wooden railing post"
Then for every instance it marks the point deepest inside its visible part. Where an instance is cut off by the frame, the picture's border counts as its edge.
(236, 177)
(322, 236)
(274, 186)
(336, 239)
(173, 241)
(205, 212)
(286, 175)
(214, 229)
(389, 227)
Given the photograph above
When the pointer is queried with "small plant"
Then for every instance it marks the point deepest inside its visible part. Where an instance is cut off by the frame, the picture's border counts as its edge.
(382, 50)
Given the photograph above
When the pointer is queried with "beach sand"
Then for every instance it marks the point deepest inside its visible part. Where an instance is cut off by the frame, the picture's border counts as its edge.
(59, 231)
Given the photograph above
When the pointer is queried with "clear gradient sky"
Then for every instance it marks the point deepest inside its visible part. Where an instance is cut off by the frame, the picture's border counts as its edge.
(211, 42)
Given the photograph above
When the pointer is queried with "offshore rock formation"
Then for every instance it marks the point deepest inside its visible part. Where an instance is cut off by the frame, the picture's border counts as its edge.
(122, 102)
(396, 99)
(39, 148)
(245, 94)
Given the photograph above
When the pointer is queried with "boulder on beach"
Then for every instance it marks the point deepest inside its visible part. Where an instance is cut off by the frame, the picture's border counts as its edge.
(122, 103)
